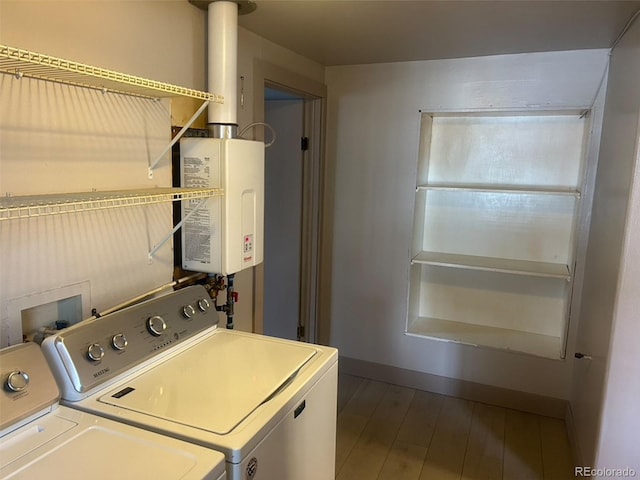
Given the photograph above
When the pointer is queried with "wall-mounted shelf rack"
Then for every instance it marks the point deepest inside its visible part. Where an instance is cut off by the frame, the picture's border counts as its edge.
(29, 206)
(20, 63)
(23, 63)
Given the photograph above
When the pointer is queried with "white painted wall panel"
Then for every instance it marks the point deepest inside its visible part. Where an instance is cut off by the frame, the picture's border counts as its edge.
(507, 150)
(373, 140)
(164, 41)
(251, 47)
(67, 140)
(523, 226)
(621, 418)
(504, 301)
(608, 424)
(56, 138)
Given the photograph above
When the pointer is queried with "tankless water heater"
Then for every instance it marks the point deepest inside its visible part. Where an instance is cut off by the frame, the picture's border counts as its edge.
(226, 234)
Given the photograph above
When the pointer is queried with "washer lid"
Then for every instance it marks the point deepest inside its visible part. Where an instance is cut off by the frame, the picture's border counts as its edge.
(85, 446)
(215, 384)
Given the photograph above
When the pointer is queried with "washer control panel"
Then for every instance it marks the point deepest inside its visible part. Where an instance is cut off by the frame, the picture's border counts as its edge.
(27, 384)
(91, 352)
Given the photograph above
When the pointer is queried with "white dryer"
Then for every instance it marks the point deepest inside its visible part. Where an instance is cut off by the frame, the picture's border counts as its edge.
(40, 439)
(268, 404)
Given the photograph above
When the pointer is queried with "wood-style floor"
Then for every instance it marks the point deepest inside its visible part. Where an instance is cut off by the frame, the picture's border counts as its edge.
(387, 432)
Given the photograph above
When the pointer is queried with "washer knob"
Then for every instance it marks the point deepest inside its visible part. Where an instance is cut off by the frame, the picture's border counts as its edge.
(156, 325)
(95, 352)
(203, 304)
(119, 341)
(188, 311)
(17, 381)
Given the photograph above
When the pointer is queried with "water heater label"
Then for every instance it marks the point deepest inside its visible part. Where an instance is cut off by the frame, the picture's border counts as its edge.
(199, 229)
(196, 172)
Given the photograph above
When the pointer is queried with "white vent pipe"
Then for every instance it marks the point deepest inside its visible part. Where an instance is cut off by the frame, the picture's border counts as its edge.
(223, 61)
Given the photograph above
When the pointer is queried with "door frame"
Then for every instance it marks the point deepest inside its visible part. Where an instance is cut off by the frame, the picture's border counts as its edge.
(314, 95)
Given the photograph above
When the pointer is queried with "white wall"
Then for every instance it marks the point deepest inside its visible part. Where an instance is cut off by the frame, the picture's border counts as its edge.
(617, 445)
(159, 40)
(251, 47)
(613, 274)
(56, 138)
(102, 253)
(373, 134)
(254, 50)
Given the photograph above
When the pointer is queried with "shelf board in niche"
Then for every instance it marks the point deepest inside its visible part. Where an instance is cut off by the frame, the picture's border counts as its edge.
(492, 264)
(515, 189)
(486, 336)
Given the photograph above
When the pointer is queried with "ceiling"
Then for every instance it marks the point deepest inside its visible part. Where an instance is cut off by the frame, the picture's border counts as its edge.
(351, 32)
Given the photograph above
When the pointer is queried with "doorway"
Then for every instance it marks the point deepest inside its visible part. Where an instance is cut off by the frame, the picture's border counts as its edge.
(287, 283)
(284, 160)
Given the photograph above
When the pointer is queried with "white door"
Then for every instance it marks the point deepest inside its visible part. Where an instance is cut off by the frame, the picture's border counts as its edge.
(283, 216)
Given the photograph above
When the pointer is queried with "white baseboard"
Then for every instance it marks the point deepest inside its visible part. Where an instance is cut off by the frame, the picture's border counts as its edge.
(502, 397)
(578, 459)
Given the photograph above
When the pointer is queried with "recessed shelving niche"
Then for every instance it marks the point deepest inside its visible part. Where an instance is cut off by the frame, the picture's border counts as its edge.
(497, 204)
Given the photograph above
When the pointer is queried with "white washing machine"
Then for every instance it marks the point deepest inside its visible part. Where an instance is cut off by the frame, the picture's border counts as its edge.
(40, 439)
(268, 404)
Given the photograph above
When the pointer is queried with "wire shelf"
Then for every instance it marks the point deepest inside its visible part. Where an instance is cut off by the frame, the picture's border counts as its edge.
(17, 207)
(18, 62)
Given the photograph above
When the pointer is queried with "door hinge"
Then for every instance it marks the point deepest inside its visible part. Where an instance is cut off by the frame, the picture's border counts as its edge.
(300, 332)
(304, 143)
